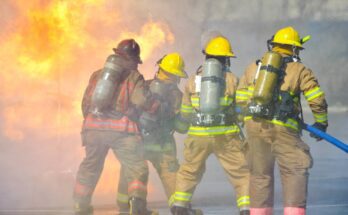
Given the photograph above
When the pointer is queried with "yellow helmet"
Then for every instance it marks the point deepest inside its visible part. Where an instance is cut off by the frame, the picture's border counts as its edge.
(219, 46)
(174, 64)
(289, 36)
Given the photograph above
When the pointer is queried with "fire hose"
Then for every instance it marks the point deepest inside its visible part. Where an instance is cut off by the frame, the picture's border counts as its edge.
(336, 142)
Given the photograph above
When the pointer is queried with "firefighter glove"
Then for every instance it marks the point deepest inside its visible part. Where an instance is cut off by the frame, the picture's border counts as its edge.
(319, 126)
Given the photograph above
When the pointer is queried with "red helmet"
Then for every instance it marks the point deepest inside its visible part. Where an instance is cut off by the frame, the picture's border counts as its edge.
(129, 48)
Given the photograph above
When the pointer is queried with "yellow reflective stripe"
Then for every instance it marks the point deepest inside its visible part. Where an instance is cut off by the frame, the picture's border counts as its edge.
(320, 117)
(247, 118)
(186, 109)
(182, 196)
(123, 198)
(245, 92)
(242, 95)
(195, 101)
(244, 200)
(213, 130)
(290, 123)
(224, 101)
(241, 98)
(314, 93)
(251, 88)
(171, 200)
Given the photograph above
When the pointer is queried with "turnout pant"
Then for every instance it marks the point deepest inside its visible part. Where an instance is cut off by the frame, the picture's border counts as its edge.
(229, 151)
(126, 147)
(270, 144)
(163, 159)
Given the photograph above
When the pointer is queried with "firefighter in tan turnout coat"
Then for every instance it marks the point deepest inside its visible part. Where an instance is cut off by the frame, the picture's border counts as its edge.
(213, 128)
(269, 92)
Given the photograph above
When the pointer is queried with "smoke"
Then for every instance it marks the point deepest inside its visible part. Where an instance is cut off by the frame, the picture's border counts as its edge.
(49, 48)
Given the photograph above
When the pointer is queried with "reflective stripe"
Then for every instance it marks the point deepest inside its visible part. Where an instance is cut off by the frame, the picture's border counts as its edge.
(251, 89)
(314, 93)
(182, 196)
(241, 95)
(195, 101)
(224, 101)
(186, 109)
(290, 123)
(171, 200)
(242, 201)
(136, 185)
(123, 124)
(247, 118)
(320, 117)
(110, 123)
(245, 94)
(123, 198)
(213, 130)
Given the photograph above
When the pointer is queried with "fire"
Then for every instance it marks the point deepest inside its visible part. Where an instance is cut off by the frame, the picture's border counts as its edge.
(48, 51)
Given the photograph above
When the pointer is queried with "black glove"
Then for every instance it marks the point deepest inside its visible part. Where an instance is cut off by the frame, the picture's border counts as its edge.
(321, 127)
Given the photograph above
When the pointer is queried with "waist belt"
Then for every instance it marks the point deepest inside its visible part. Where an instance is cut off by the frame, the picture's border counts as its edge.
(207, 120)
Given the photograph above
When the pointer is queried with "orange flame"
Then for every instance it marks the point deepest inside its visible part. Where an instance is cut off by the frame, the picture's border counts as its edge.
(48, 52)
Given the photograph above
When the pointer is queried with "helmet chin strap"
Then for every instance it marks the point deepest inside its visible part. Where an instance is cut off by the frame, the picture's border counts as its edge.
(295, 54)
(269, 43)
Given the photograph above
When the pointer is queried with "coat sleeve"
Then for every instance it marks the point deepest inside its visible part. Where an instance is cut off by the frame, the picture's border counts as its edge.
(186, 108)
(245, 87)
(178, 95)
(141, 97)
(230, 93)
(314, 95)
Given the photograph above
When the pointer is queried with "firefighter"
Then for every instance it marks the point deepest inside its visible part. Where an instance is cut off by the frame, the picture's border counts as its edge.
(157, 129)
(208, 104)
(269, 92)
(112, 102)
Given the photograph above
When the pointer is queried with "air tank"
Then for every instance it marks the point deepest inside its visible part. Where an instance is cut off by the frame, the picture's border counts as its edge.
(107, 83)
(212, 85)
(267, 78)
(159, 89)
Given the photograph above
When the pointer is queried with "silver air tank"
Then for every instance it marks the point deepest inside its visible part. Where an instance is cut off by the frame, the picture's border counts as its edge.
(106, 84)
(159, 89)
(211, 86)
